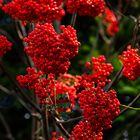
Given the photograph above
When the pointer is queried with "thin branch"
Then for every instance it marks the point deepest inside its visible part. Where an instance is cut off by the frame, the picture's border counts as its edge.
(59, 124)
(20, 35)
(131, 103)
(45, 124)
(70, 120)
(130, 107)
(5, 90)
(21, 31)
(73, 19)
(9, 134)
(61, 127)
(116, 79)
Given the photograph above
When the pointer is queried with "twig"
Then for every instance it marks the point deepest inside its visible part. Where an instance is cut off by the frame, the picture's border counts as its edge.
(5, 90)
(130, 107)
(59, 124)
(20, 35)
(73, 19)
(45, 124)
(131, 103)
(21, 31)
(116, 79)
(61, 127)
(9, 134)
(70, 120)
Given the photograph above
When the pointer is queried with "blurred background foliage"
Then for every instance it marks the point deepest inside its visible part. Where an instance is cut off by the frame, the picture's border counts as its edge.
(127, 125)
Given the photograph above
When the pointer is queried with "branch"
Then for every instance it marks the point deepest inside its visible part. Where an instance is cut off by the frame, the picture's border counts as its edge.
(117, 77)
(70, 120)
(9, 135)
(131, 103)
(45, 124)
(73, 19)
(129, 107)
(59, 124)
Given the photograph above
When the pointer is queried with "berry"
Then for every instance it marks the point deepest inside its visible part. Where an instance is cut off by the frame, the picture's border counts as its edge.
(131, 63)
(51, 52)
(5, 45)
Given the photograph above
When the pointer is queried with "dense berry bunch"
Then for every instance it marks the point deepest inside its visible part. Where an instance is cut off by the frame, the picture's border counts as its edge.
(35, 10)
(86, 7)
(111, 21)
(54, 137)
(131, 63)
(30, 79)
(85, 131)
(1, 2)
(49, 91)
(100, 72)
(5, 45)
(99, 107)
(51, 52)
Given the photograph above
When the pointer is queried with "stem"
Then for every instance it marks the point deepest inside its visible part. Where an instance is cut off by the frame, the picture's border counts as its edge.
(61, 127)
(129, 107)
(70, 120)
(117, 77)
(73, 19)
(45, 124)
(59, 124)
(131, 103)
(21, 31)
(9, 135)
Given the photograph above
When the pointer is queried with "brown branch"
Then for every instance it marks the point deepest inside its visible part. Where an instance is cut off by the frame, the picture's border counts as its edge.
(73, 19)
(70, 120)
(55, 117)
(115, 79)
(9, 134)
(45, 124)
(21, 31)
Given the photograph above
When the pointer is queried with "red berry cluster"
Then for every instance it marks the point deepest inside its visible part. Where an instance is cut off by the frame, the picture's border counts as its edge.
(51, 52)
(30, 79)
(49, 91)
(85, 131)
(100, 72)
(5, 45)
(86, 7)
(111, 21)
(35, 10)
(54, 137)
(1, 3)
(131, 63)
(99, 107)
